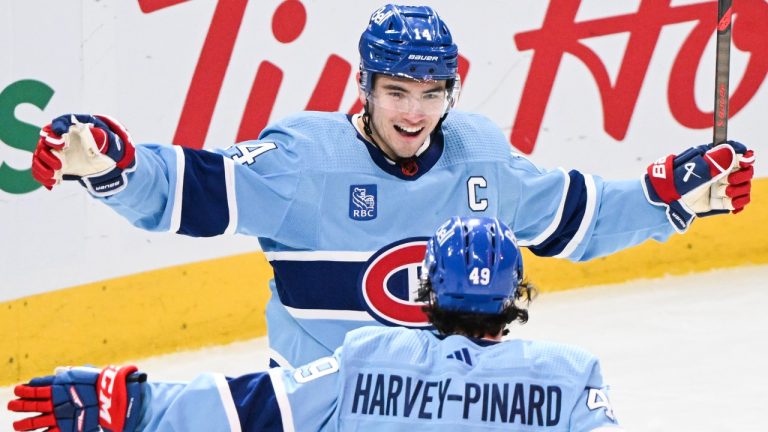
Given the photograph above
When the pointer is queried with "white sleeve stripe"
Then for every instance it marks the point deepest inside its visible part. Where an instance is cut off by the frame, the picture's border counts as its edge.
(608, 429)
(229, 178)
(558, 216)
(229, 404)
(282, 399)
(338, 256)
(330, 314)
(178, 190)
(586, 220)
(277, 357)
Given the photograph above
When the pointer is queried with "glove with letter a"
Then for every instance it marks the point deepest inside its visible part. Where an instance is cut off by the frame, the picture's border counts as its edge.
(93, 149)
(81, 399)
(701, 181)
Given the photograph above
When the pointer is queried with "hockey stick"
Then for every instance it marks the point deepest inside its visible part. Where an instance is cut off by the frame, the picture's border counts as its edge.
(722, 70)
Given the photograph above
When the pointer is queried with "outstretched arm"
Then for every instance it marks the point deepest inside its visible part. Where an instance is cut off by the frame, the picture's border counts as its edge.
(175, 189)
(119, 399)
(580, 217)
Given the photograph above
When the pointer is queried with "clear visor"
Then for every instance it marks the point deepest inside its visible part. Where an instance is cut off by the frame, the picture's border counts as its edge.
(429, 102)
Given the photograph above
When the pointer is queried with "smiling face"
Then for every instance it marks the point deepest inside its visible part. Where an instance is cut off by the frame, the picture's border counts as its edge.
(404, 112)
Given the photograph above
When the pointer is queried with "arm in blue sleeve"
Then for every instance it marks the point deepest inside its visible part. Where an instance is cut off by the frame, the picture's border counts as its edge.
(593, 409)
(568, 214)
(624, 219)
(204, 193)
(301, 399)
(212, 403)
(147, 200)
(204, 404)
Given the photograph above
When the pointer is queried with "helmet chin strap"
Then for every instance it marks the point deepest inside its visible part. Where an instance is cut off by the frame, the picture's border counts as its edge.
(368, 128)
(367, 122)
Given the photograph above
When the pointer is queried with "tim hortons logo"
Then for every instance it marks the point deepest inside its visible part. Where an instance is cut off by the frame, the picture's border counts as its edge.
(560, 34)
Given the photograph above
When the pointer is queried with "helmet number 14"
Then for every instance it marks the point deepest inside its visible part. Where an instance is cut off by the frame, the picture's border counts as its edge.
(480, 276)
(425, 34)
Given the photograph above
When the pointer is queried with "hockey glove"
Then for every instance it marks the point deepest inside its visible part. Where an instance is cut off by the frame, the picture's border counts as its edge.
(80, 400)
(95, 150)
(701, 181)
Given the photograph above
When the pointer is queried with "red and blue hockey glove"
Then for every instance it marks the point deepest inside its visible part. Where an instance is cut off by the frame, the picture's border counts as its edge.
(95, 150)
(701, 181)
(80, 400)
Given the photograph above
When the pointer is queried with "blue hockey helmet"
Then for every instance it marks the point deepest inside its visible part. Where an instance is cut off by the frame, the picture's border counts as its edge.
(474, 265)
(409, 42)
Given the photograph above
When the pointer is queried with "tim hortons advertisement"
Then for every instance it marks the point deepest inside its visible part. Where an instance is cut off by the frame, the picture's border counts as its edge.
(603, 87)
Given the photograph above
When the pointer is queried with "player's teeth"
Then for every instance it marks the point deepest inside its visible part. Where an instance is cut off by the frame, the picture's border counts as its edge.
(410, 130)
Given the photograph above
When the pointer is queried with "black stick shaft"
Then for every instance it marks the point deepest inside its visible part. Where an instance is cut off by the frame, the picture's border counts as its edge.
(722, 70)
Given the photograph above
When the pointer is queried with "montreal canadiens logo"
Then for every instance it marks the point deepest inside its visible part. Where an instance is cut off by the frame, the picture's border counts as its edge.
(390, 283)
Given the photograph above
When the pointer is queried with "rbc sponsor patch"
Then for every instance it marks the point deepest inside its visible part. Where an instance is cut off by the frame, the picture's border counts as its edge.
(362, 202)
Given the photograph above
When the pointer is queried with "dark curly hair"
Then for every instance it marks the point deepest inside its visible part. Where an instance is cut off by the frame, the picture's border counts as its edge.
(477, 325)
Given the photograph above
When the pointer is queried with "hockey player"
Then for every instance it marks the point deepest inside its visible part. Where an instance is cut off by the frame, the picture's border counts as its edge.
(326, 193)
(461, 377)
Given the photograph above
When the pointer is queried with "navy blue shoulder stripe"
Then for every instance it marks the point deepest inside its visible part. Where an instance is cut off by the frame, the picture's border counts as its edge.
(204, 211)
(570, 219)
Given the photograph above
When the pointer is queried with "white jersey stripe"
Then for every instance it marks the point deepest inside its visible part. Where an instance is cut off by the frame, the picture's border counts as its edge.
(279, 359)
(586, 221)
(282, 399)
(229, 404)
(558, 216)
(178, 190)
(340, 315)
(229, 178)
(339, 256)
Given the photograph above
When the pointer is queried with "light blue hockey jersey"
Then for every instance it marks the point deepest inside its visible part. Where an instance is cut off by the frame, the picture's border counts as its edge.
(395, 379)
(345, 229)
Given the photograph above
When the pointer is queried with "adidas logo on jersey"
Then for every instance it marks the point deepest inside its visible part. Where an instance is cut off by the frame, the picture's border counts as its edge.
(461, 355)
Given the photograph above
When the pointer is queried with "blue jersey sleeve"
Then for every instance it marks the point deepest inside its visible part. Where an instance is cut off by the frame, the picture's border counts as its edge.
(247, 188)
(593, 409)
(307, 396)
(204, 404)
(301, 399)
(568, 214)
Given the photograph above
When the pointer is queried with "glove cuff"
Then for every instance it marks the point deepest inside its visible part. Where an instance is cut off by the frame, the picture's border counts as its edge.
(119, 391)
(105, 184)
(678, 214)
